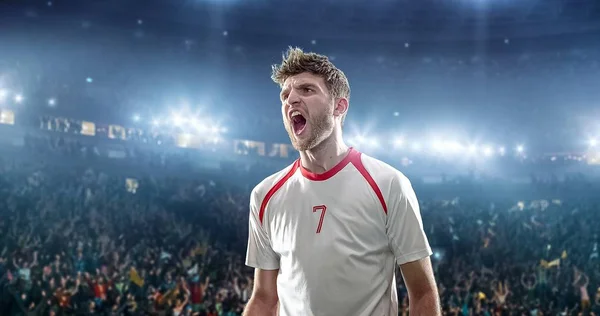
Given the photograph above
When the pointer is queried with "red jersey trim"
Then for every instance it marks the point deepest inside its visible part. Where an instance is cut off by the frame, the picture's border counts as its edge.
(357, 162)
(353, 157)
(331, 172)
(275, 188)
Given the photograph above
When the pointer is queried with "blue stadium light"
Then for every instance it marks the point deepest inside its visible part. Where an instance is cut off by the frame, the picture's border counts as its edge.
(398, 142)
(437, 146)
(593, 142)
(520, 149)
(155, 122)
(487, 151)
(373, 142)
(136, 118)
(18, 98)
(51, 102)
(3, 94)
(501, 151)
(472, 149)
(416, 147)
(89, 80)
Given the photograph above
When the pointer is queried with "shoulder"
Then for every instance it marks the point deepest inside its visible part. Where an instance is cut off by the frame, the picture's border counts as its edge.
(386, 176)
(272, 183)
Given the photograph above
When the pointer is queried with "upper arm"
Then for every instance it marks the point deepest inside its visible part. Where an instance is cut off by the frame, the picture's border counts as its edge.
(265, 286)
(404, 226)
(418, 277)
(259, 254)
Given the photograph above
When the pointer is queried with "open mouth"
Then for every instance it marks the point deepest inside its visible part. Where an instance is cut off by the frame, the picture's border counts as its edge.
(299, 124)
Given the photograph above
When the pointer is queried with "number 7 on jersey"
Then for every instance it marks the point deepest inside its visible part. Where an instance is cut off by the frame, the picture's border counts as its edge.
(323, 209)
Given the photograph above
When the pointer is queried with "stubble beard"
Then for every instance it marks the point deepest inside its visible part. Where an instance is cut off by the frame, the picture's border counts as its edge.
(321, 128)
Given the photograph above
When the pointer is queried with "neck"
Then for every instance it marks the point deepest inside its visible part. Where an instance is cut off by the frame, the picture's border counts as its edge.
(326, 155)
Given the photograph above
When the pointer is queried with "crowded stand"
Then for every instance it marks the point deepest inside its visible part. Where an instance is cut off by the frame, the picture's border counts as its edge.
(100, 237)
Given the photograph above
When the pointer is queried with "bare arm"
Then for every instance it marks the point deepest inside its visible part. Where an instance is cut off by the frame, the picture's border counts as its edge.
(423, 296)
(264, 299)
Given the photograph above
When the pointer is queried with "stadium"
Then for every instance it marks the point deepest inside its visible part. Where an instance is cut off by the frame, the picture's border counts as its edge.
(133, 133)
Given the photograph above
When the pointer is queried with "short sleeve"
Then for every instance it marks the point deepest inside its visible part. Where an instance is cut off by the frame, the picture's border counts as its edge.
(259, 254)
(404, 226)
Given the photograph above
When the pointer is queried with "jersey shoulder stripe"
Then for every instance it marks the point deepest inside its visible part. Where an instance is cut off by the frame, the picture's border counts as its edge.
(358, 164)
(275, 188)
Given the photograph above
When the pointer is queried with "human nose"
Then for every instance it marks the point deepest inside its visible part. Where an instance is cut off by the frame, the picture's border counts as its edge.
(293, 98)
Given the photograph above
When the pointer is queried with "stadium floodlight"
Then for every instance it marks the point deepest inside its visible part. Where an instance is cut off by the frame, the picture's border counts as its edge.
(487, 151)
(51, 102)
(437, 146)
(416, 147)
(18, 98)
(398, 142)
(3, 94)
(136, 118)
(177, 120)
(593, 142)
(373, 142)
(155, 122)
(501, 151)
(520, 148)
(472, 149)
(453, 146)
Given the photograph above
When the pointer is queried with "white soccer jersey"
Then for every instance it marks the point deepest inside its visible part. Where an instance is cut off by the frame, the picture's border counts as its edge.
(336, 237)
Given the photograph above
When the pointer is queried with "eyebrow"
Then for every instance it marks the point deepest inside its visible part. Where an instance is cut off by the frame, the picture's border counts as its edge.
(300, 86)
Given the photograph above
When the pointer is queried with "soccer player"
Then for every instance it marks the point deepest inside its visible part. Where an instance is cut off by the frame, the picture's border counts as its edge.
(327, 232)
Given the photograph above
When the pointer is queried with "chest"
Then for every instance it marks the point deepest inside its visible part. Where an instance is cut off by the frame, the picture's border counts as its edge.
(315, 218)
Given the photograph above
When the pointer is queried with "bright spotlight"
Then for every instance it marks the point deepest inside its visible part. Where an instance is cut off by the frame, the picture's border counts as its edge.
(51, 102)
(454, 146)
(487, 151)
(155, 122)
(373, 142)
(416, 147)
(3, 94)
(593, 142)
(520, 148)
(136, 118)
(437, 146)
(196, 124)
(18, 98)
(398, 142)
(472, 149)
(501, 151)
(177, 120)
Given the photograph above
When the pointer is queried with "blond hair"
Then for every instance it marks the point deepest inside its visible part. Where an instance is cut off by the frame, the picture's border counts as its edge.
(296, 61)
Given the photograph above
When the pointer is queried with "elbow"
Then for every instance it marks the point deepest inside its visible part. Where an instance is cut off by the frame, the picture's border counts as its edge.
(262, 304)
(425, 303)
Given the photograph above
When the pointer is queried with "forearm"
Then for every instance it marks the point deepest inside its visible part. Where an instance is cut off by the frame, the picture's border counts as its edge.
(258, 307)
(427, 304)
